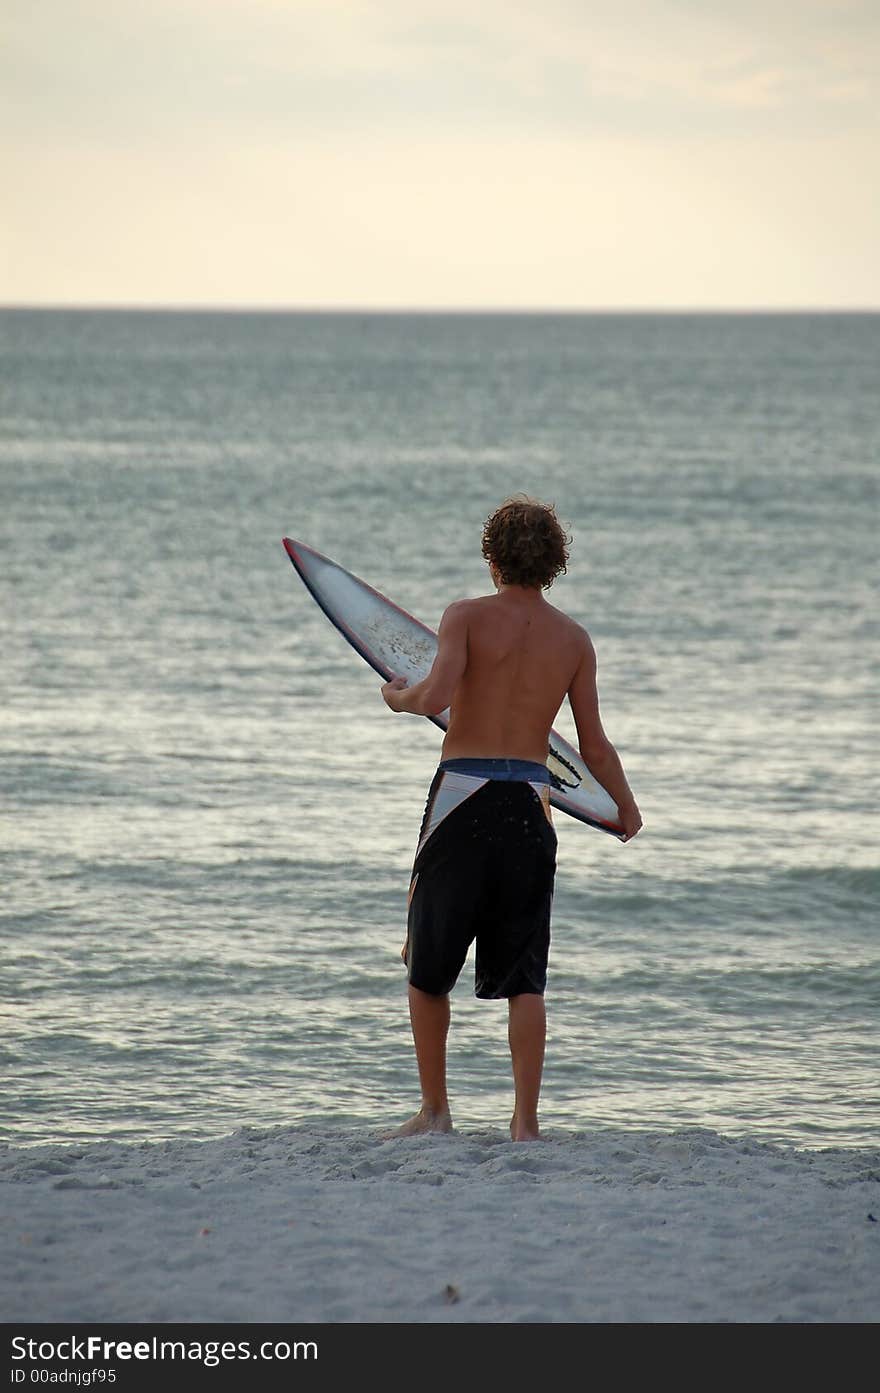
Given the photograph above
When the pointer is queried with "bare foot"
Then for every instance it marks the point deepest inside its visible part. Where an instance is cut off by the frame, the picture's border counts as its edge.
(424, 1121)
(524, 1131)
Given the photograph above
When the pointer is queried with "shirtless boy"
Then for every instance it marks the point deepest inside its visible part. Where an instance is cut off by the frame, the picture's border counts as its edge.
(486, 856)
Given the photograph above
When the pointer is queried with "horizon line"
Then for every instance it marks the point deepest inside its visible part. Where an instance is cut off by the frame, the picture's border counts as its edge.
(461, 311)
(243, 307)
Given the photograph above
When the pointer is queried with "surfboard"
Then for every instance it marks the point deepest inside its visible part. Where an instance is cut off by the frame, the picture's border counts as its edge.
(395, 644)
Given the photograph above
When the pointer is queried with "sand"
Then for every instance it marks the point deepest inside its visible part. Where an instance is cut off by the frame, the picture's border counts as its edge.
(336, 1224)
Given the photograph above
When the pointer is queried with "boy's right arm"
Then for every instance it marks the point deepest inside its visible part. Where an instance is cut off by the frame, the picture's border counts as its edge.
(596, 749)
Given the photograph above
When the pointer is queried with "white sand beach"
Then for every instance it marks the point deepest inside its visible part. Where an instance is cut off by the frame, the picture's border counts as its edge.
(323, 1224)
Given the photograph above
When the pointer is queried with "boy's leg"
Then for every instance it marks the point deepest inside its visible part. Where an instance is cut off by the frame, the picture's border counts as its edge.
(429, 1018)
(526, 1031)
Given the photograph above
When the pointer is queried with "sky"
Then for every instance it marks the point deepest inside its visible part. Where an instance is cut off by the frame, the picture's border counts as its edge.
(457, 154)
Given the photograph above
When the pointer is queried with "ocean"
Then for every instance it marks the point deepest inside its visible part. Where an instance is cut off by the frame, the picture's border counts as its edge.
(208, 815)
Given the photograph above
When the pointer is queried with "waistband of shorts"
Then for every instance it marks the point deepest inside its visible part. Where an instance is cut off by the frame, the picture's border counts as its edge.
(524, 770)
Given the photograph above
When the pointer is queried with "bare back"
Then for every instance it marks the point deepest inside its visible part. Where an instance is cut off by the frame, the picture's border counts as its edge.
(522, 655)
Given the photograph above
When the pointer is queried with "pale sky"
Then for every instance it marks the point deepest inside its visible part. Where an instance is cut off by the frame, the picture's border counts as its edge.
(560, 154)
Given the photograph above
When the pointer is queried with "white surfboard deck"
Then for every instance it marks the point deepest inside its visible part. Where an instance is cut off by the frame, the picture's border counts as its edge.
(397, 645)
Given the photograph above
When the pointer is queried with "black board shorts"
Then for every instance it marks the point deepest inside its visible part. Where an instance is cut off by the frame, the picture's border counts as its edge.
(484, 870)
